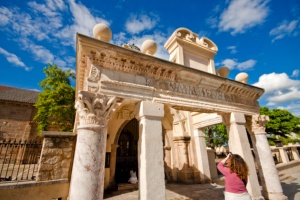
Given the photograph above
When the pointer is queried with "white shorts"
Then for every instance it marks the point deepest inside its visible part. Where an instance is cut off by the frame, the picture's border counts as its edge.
(235, 196)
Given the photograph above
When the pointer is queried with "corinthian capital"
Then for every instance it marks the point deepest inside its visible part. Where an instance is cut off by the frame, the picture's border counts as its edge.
(93, 108)
(258, 123)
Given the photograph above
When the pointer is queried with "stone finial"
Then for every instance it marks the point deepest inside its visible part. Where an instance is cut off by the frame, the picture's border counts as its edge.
(102, 32)
(242, 77)
(223, 71)
(149, 47)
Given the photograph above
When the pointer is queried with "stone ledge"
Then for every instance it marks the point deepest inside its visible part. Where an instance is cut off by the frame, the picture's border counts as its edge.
(24, 184)
(57, 134)
(289, 168)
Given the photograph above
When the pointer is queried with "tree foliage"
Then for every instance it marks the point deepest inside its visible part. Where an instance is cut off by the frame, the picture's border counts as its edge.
(216, 135)
(55, 103)
(281, 123)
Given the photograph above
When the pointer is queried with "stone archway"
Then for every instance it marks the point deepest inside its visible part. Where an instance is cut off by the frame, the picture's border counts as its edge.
(127, 151)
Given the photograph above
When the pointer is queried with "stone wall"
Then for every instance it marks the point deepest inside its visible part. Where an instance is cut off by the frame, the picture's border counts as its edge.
(47, 190)
(56, 156)
(16, 120)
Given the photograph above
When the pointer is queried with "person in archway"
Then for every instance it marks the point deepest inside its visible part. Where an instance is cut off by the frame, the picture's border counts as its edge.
(133, 178)
(235, 170)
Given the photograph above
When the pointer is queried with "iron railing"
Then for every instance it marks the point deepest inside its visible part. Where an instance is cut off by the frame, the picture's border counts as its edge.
(19, 159)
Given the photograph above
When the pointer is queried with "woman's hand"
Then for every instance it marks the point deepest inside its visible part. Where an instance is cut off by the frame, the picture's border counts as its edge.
(227, 157)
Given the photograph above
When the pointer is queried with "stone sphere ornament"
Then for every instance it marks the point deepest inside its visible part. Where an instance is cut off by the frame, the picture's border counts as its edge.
(102, 32)
(149, 47)
(242, 77)
(223, 71)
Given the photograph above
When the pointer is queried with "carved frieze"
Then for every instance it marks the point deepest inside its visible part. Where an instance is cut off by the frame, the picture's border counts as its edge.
(258, 123)
(109, 60)
(94, 108)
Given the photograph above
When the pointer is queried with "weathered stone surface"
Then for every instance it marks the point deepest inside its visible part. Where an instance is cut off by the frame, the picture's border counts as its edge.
(56, 157)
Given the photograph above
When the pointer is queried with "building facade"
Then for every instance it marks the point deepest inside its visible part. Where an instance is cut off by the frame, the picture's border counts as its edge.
(136, 111)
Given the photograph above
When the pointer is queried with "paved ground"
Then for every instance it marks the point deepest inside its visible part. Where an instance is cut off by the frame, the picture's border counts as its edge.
(203, 191)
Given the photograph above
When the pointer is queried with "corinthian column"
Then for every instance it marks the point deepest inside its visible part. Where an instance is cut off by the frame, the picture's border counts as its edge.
(87, 180)
(267, 169)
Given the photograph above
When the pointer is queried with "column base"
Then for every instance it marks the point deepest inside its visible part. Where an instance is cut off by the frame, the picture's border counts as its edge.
(277, 196)
(258, 198)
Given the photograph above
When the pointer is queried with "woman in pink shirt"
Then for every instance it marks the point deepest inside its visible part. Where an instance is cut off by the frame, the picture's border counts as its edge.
(235, 170)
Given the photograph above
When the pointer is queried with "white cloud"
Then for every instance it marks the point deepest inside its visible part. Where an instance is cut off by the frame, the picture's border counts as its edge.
(12, 58)
(234, 64)
(295, 73)
(276, 82)
(230, 63)
(246, 65)
(242, 15)
(291, 94)
(39, 52)
(232, 49)
(56, 4)
(284, 29)
(5, 15)
(138, 23)
(280, 92)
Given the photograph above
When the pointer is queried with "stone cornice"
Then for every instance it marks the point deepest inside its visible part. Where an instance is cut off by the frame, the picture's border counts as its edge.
(160, 78)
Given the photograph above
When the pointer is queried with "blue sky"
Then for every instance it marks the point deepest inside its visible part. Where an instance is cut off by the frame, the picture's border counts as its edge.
(261, 38)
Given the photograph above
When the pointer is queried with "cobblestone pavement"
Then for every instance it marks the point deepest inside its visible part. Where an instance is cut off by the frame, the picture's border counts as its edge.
(203, 191)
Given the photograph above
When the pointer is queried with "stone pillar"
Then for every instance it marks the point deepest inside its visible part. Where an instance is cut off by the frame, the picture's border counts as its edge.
(113, 159)
(202, 157)
(185, 173)
(150, 150)
(283, 154)
(167, 162)
(295, 153)
(239, 144)
(87, 180)
(267, 169)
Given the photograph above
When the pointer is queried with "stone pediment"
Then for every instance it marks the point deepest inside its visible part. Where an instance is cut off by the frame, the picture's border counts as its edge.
(112, 70)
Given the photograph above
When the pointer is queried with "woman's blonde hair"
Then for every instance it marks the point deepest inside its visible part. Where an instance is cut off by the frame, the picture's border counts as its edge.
(237, 164)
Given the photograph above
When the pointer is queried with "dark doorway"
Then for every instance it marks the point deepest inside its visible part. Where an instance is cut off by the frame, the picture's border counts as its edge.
(127, 152)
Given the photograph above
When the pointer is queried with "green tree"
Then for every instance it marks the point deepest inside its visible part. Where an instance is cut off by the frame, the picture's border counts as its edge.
(55, 103)
(216, 135)
(281, 123)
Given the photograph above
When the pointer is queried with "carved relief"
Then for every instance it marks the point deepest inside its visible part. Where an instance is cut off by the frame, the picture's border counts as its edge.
(122, 63)
(258, 123)
(94, 108)
(93, 78)
(125, 113)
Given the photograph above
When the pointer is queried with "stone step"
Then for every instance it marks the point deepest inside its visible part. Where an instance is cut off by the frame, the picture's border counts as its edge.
(286, 178)
(127, 186)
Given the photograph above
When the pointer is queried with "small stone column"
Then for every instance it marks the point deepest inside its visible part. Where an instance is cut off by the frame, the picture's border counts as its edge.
(202, 157)
(239, 144)
(87, 180)
(295, 152)
(113, 159)
(150, 150)
(283, 154)
(268, 171)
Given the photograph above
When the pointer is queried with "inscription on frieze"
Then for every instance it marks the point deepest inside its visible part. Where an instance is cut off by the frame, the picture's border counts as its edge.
(185, 89)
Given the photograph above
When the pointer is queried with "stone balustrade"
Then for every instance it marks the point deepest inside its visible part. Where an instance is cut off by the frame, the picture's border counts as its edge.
(286, 153)
(57, 155)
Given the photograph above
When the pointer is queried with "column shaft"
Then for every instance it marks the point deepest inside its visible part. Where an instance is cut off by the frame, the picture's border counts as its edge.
(87, 180)
(267, 169)
(239, 144)
(151, 162)
(202, 157)
(271, 184)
